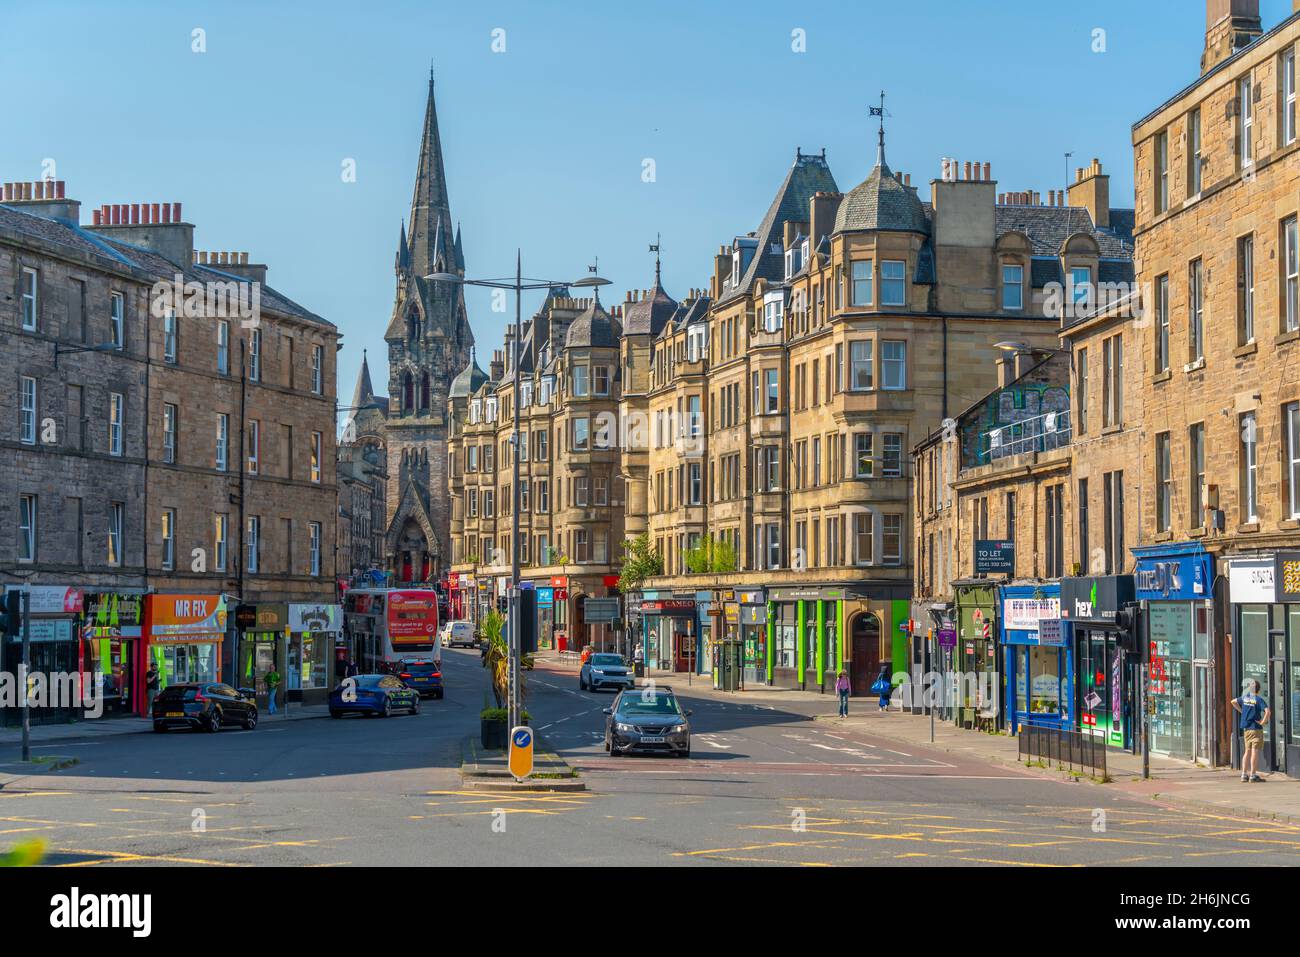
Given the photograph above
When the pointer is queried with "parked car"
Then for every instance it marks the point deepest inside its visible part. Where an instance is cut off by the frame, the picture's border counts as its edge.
(459, 633)
(605, 671)
(647, 719)
(373, 694)
(206, 707)
(424, 675)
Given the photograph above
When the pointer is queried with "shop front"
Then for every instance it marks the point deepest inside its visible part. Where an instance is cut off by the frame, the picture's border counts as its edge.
(1173, 584)
(814, 632)
(315, 633)
(974, 663)
(182, 636)
(1037, 656)
(111, 629)
(265, 645)
(751, 608)
(1106, 675)
(545, 616)
(1264, 591)
(670, 629)
(54, 650)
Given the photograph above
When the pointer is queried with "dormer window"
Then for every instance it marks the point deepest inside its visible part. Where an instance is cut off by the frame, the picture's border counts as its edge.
(475, 411)
(803, 253)
(773, 312)
(1013, 287)
(490, 410)
(789, 263)
(548, 383)
(735, 266)
(526, 393)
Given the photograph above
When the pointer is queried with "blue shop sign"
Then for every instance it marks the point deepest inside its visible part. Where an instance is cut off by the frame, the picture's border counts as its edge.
(546, 596)
(1169, 575)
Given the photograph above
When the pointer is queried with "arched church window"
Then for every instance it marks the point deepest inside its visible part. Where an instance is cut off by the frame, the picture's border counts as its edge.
(408, 393)
(424, 392)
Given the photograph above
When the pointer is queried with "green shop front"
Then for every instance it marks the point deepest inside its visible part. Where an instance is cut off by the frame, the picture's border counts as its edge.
(816, 631)
(974, 665)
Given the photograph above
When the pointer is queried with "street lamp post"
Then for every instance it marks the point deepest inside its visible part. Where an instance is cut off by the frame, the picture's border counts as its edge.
(519, 285)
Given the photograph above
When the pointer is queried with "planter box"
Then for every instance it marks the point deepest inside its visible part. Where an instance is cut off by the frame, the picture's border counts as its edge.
(493, 732)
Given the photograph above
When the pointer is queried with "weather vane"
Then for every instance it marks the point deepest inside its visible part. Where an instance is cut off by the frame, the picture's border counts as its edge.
(881, 112)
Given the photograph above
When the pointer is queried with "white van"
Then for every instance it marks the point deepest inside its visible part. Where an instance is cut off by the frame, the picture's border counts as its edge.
(458, 633)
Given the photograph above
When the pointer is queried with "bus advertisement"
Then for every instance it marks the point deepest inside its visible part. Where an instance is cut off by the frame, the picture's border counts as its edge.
(385, 625)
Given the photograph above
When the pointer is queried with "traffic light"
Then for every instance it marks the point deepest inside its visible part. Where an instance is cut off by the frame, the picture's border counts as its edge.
(11, 614)
(1126, 623)
(527, 621)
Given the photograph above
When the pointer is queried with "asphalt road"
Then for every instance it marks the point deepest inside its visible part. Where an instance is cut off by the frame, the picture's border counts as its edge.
(764, 786)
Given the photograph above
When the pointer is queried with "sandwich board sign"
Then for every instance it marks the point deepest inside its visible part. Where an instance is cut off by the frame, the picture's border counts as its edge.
(521, 752)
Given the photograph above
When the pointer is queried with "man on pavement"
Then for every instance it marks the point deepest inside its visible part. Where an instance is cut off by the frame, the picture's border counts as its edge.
(1254, 711)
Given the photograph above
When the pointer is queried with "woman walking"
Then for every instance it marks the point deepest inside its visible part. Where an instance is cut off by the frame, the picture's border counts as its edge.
(883, 687)
(842, 687)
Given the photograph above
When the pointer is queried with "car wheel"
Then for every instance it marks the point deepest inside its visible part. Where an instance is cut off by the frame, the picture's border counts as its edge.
(214, 721)
(582, 683)
(437, 695)
(686, 753)
(159, 727)
(415, 705)
(335, 713)
(388, 708)
(607, 745)
(250, 719)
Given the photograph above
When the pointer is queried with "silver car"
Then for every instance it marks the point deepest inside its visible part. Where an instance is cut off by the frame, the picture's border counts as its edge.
(648, 719)
(605, 671)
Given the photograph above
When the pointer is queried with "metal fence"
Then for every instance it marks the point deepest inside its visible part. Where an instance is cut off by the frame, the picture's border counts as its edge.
(1063, 748)
(1038, 433)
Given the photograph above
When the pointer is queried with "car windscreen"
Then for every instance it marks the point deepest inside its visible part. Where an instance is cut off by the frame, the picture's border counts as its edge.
(636, 703)
(607, 660)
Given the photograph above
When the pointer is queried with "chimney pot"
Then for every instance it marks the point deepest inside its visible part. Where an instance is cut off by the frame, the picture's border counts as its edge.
(167, 212)
(243, 259)
(966, 171)
(99, 217)
(154, 213)
(988, 172)
(58, 189)
(38, 190)
(135, 214)
(176, 212)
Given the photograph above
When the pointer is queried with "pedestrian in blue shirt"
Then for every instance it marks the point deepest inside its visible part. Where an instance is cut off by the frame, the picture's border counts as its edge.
(1253, 709)
(883, 687)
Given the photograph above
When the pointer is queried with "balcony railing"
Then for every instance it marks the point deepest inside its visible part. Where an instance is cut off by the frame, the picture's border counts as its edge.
(1051, 430)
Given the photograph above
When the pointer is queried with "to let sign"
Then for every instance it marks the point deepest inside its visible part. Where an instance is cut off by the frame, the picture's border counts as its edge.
(992, 555)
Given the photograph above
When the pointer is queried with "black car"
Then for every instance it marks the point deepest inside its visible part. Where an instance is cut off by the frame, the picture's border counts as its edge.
(205, 707)
(424, 675)
(650, 720)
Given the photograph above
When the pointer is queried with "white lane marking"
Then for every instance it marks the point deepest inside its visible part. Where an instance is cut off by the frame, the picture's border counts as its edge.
(713, 742)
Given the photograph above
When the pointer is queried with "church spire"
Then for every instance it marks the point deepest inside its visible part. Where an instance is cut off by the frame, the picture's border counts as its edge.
(364, 395)
(430, 207)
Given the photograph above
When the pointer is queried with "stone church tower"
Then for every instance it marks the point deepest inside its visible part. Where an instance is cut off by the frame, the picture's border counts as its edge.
(429, 342)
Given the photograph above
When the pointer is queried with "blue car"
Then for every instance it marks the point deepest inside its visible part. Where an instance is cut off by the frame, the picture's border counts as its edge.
(422, 674)
(373, 694)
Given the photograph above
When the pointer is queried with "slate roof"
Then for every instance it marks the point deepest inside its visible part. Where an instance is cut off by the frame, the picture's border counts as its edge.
(807, 176)
(881, 202)
(647, 316)
(594, 329)
(147, 265)
(468, 380)
(1048, 227)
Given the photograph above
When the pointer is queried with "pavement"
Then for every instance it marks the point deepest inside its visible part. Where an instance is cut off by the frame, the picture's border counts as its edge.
(770, 781)
(1172, 781)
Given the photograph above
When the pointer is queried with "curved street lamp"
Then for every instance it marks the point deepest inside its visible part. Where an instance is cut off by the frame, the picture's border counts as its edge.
(518, 284)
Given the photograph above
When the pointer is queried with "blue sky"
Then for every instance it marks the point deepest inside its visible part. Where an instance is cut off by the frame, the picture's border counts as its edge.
(545, 142)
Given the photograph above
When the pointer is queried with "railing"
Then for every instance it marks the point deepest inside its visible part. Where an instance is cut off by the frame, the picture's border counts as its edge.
(570, 656)
(1051, 430)
(1069, 749)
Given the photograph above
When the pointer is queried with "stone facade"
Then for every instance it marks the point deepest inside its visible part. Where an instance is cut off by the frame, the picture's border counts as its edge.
(188, 378)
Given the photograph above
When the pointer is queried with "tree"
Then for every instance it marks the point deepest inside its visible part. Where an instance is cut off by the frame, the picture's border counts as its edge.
(640, 561)
(711, 555)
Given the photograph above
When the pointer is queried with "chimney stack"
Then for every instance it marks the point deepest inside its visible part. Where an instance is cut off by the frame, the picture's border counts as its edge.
(1230, 26)
(1092, 191)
